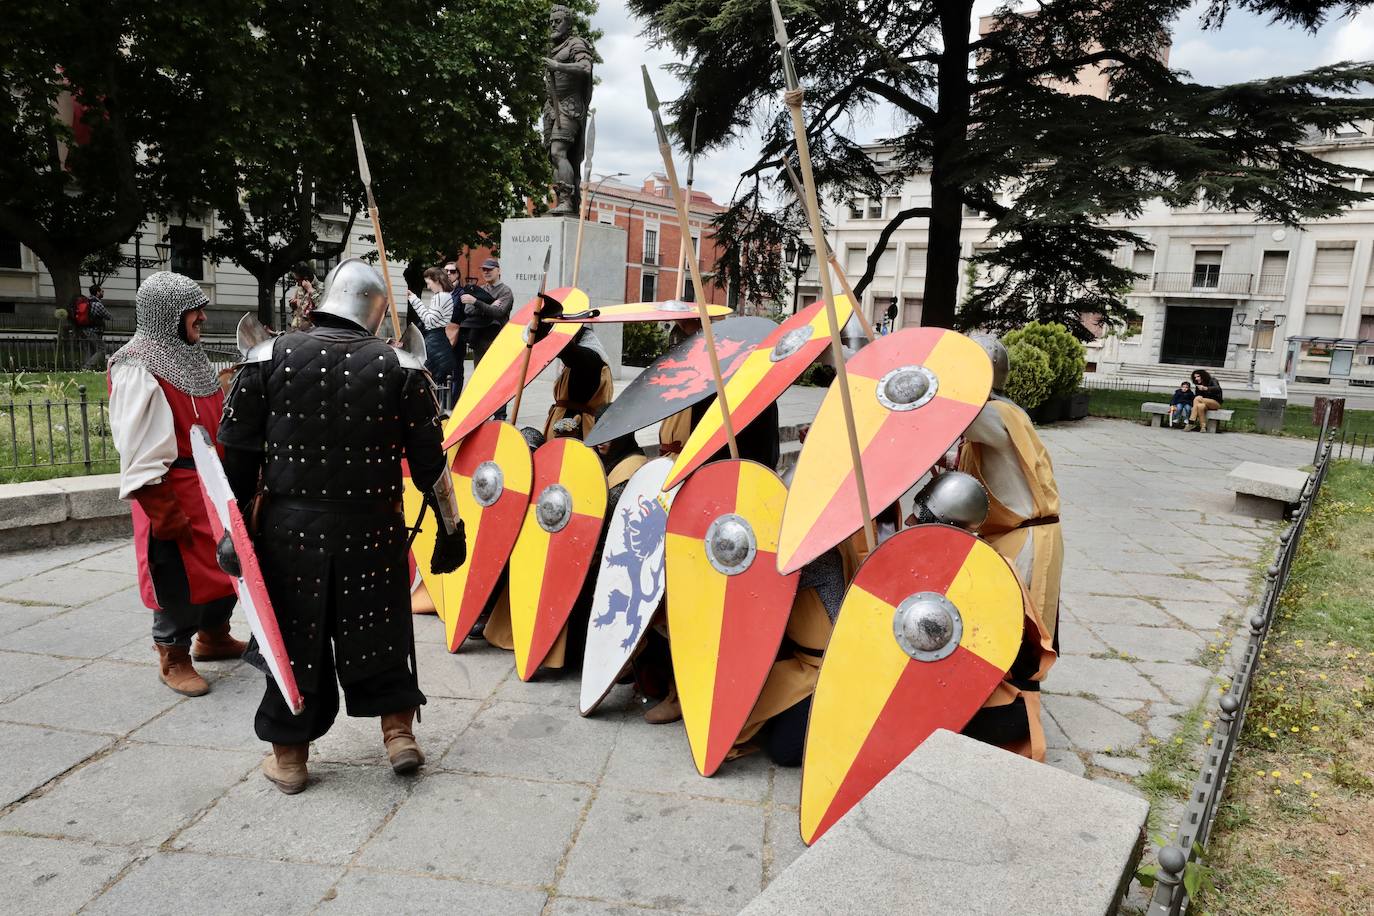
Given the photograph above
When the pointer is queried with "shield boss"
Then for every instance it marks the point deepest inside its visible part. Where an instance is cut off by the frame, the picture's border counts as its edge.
(907, 387)
(730, 544)
(790, 343)
(928, 626)
(488, 483)
(554, 508)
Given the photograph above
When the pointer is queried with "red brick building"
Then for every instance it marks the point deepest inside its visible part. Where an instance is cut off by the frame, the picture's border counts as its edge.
(649, 218)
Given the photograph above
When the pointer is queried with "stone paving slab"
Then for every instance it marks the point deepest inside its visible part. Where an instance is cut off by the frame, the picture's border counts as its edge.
(524, 806)
(55, 876)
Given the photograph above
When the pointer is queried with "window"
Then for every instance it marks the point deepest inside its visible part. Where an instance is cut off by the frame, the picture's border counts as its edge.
(856, 209)
(855, 261)
(650, 247)
(11, 257)
(688, 294)
(188, 251)
(648, 288)
(887, 262)
(1273, 269)
(874, 210)
(322, 267)
(1263, 335)
(892, 206)
(605, 217)
(1143, 262)
(911, 311)
(1206, 269)
(1330, 286)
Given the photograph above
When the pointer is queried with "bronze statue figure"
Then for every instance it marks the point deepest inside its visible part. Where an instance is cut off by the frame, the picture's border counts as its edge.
(568, 78)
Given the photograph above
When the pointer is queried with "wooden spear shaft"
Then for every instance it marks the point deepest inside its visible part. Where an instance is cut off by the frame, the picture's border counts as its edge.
(586, 204)
(366, 175)
(529, 343)
(684, 224)
(682, 246)
(793, 98)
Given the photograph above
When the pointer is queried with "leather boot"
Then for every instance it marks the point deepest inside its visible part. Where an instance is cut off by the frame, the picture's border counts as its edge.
(178, 673)
(669, 709)
(401, 748)
(285, 767)
(216, 645)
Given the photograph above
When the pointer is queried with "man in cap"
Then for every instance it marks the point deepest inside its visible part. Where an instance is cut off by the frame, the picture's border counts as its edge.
(161, 383)
(325, 417)
(1003, 451)
(485, 309)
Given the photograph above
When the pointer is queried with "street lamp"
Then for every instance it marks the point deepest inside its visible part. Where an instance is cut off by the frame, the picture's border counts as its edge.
(799, 257)
(1253, 327)
(591, 199)
(138, 262)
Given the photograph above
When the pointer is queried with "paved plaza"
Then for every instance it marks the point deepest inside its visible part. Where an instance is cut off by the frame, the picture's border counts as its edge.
(117, 795)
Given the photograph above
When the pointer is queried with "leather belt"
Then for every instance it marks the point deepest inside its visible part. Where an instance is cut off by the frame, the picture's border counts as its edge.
(350, 506)
(1036, 522)
(183, 464)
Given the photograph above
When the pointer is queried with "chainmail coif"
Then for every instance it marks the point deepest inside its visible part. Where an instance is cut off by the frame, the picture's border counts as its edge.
(157, 346)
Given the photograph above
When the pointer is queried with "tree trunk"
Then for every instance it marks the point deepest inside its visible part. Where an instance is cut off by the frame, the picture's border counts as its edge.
(267, 302)
(946, 194)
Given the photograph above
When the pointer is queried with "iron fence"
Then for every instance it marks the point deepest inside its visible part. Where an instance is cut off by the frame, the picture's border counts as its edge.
(1353, 447)
(55, 433)
(47, 352)
(1171, 896)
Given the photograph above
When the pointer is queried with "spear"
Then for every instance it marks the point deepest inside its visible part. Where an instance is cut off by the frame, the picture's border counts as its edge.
(529, 341)
(586, 183)
(691, 169)
(366, 174)
(793, 97)
(830, 258)
(666, 152)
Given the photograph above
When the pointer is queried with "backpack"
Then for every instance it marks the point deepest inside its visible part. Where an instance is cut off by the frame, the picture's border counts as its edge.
(81, 312)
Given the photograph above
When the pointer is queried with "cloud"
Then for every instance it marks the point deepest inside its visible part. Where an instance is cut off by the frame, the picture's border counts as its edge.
(1353, 39)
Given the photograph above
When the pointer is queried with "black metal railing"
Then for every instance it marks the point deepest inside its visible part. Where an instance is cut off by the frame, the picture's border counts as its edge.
(48, 352)
(1202, 282)
(55, 433)
(1204, 798)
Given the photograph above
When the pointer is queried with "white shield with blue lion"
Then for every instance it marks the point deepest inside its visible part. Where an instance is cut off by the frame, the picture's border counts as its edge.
(630, 581)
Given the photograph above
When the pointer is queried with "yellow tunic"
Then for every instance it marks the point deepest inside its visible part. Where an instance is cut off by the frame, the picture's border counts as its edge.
(563, 407)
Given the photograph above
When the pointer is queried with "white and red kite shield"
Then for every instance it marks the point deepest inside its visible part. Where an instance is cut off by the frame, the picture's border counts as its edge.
(928, 628)
(630, 582)
(554, 551)
(728, 604)
(223, 510)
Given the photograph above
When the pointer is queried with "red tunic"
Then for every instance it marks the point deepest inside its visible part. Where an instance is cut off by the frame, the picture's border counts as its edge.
(207, 581)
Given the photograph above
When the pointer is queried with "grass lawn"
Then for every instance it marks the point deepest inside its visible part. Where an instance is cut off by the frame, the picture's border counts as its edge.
(1295, 833)
(1297, 420)
(41, 426)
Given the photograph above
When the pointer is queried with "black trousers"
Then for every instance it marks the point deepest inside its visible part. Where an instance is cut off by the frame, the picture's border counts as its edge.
(393, 690)
(783, 737)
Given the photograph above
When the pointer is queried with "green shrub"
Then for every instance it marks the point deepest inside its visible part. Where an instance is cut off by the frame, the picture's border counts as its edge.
(643, 342)
(1031, 380)
(1066, 355)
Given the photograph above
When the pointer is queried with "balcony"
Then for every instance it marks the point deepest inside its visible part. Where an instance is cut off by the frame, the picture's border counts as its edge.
(1203, 282)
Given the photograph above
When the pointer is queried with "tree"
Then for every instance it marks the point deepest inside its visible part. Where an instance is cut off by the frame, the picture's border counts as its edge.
(93, 93)
(991, 122)
(447, 96)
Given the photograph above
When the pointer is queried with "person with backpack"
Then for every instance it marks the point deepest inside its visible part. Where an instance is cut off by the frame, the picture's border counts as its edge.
(89, 316)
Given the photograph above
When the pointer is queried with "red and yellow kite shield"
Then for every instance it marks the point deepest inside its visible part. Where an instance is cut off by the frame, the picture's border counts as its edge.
(930, 625)
(554, 551)
(914, 392)
(760, 380)
(727, 603)
(493, 381)
(491, 474)
(671, 310)
(422, 548)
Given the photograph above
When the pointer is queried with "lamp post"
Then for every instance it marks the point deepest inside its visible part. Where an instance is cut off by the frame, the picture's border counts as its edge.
(138, 262)
(799, 258)
(1253, 327)
(591, 198)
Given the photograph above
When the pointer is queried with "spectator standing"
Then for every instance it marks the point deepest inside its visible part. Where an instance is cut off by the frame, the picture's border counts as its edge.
(1181, 404)
(485, 310)
(456, 334)
(303, 297)
(434, 314)
(93, 331)
(1209, 397)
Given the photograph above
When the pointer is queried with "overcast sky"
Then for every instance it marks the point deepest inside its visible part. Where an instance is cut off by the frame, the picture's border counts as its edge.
(1246, 48)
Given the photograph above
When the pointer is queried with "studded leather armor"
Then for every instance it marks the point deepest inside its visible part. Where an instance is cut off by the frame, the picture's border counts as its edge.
(330, 417)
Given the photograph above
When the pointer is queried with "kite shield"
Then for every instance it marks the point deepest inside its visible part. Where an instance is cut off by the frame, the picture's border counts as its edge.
(671, 310)
(914, 393)
(929, 627)
(422, 547)
(493, 381)
(491, 475)
(729, 604)
(223, 510)
(554, 550)
(630, 582)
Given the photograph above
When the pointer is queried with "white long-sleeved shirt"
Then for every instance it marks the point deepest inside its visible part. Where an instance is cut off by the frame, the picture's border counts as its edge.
(434, 312)
(142, 426)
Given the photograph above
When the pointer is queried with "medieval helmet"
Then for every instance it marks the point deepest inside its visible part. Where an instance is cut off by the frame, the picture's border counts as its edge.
(355, 291)
(954, 498)
(997, 352)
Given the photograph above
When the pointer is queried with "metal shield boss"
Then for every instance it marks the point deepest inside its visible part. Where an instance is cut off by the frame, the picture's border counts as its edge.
(728, 604)
(914, 392)
(223, 511)
(491, 477)
(929, 627)
(493, 382)
(554, 551)
(771, 366)
(629, 582)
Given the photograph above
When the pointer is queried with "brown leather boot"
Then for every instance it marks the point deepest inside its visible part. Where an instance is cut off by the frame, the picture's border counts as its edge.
(178, 672)
(401, 748)
(285, 767)
(669, 709)
(216, 645)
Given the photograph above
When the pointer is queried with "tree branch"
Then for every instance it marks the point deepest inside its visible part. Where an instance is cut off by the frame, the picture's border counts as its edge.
(898, 98)
(881, 245)
(1072, 65)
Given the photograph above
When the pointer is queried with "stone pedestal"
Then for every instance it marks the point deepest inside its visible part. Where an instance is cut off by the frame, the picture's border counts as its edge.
(601, 275)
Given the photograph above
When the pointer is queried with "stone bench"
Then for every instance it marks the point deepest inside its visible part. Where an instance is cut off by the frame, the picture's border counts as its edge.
(1158, 412)
(1264, 491)
(61, 511)
(963, 827)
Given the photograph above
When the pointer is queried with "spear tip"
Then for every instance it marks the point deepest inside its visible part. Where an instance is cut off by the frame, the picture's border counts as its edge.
(363, 170)
(650, 95)
(779, 25)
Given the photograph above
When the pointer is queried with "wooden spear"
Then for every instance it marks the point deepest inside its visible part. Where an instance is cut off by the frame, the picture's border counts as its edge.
(682, 247)
(793, 97)
(684, 225)
(529, 341)
(586, 183)
(366, 174)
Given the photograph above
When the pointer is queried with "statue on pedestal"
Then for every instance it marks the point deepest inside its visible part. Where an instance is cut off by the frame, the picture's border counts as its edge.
(568, 79)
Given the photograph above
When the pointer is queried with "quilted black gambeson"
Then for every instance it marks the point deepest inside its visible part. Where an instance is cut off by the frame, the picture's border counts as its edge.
(332, 414)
